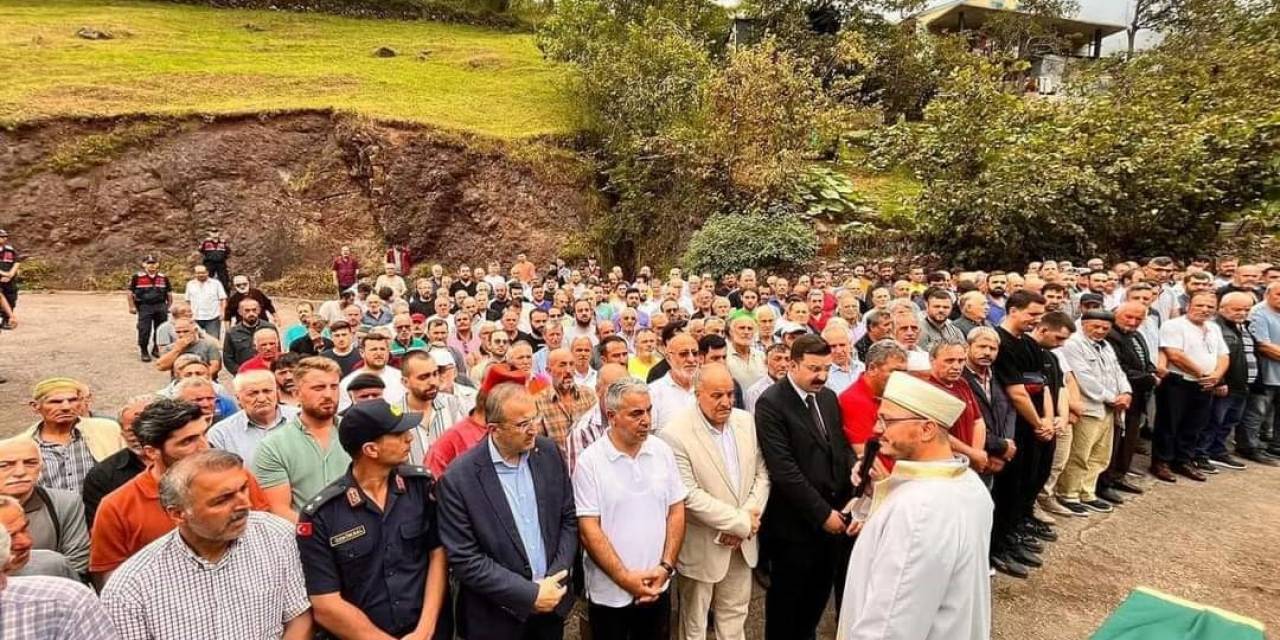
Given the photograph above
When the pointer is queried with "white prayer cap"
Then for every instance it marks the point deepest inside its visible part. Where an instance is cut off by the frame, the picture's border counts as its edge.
(442, 357)
(923, 399)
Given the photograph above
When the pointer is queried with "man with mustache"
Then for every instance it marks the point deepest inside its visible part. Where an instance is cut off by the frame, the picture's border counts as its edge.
(131, 517)
(672, 394)
(260, 414)
(69, 444)
(223, 572)
(56, 516)
(302, 457)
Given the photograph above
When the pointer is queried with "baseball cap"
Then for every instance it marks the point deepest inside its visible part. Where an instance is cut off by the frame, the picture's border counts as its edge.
(786, 328)
(369, 420)
(443, 358)
(1091, 298)
(366, 381)
(418, 318)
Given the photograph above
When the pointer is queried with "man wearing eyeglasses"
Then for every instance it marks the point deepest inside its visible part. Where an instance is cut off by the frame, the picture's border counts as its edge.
(920, 567)
(513, 481)
(241, 290)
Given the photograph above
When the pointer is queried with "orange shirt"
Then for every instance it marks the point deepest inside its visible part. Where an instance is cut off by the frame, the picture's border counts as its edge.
(131, 517)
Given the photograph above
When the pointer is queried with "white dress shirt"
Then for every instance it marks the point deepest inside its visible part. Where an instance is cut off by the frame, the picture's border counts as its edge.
(205, 298)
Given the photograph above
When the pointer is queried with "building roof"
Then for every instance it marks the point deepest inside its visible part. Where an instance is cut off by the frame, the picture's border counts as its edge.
(946, 16)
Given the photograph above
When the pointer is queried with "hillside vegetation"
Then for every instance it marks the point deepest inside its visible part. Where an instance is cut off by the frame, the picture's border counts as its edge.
(178, 59)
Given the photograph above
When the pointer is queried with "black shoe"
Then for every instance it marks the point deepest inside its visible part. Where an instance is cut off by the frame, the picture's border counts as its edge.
(1204, 466)
(1187, 470)
(1029, 543)
(1042, 531)
(145, 357)
(1258, 457)
(1101, 506)
(1227, 461)
(1145, 433)
(1274, 452)
(1009, 567)
(3, 379)
(155, 352)
(1111, 496)
(1074, 507)
(1127, 487)
(1024, 556)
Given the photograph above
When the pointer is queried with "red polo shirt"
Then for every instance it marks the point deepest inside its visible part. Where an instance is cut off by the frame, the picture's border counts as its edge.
(859, 408)
(455, 441)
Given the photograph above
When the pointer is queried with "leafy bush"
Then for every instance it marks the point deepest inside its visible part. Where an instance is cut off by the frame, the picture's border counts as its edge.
(730, 243)
(830, 196)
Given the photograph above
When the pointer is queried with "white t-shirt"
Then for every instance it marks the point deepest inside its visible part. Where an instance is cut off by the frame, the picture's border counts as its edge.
(205, 298)
(631, 497)
(1203, 344)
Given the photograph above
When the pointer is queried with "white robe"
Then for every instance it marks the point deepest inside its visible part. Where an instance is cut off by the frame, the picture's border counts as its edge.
(920, 568)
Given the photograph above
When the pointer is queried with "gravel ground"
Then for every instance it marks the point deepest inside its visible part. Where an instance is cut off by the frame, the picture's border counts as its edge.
(1214, 543)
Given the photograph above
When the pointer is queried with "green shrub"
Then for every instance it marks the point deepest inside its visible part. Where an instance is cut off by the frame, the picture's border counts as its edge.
(730, 243)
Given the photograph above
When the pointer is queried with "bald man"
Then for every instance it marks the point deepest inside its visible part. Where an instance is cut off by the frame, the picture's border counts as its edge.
(55, 517)
(721, 467)
(266, 346)
(564, 402)
(1230, 397)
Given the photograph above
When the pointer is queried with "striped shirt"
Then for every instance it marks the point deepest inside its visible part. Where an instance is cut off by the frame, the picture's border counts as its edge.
(65, 465)
(589, 428)
(167, 591)
(52, 609)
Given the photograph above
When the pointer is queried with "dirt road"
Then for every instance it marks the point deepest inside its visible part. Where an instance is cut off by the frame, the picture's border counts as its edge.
(1214, 543)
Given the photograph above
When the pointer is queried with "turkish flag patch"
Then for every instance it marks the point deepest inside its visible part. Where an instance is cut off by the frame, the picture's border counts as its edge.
(304, 529)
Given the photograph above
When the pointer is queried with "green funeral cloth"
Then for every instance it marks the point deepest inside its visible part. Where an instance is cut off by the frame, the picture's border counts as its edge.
(1148, 614)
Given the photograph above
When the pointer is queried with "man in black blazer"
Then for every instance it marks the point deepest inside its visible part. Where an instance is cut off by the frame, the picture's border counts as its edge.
(1133, 352)
(802, 440)
(509, 528)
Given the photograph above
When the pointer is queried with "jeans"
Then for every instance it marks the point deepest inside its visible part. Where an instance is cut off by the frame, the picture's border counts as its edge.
(213, 327)
(1224, 417)
(1182, 412)
(1259, 410)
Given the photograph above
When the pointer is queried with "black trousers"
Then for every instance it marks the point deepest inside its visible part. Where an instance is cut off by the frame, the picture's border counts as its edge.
(1017, 486)
(1124, 442)
(1182, 412)
(219, 270)
(10, 292)
(802, 577)
(635, 622)
(150, 317)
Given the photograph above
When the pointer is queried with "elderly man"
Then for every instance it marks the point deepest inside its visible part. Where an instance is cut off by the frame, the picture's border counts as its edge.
(968, 434)
(1231, 396)
(878, 327)
(673, 393)
(937, 325)
(993, 403)
(1106, 395)
(188, 340)
(165, 589)
(42, 606)
(208, 299)
(720, 464)
(238, 344)
(508, 526)
(55, 516)
(1264, 399)
(801, 434)
(845, 370)
(906, 332)
(119, 467)
(70, 445)
(563, 403)
(777, 363)
(1198, 358)
(973, 312)
(266, 349)
(260, 414)
(746, 363)
(630, 504)
(920, 567)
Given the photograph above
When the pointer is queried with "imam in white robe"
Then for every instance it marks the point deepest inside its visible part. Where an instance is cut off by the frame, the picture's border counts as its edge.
(920, 567)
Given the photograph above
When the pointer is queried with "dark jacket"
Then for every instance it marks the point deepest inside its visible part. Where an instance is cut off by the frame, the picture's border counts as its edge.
(496, 591)
(1137, 367)
(997, 413)
(809, 473)
(237, 345)
(1238, 346)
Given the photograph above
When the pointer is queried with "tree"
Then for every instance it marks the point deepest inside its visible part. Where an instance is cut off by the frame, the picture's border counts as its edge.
(1149, 14)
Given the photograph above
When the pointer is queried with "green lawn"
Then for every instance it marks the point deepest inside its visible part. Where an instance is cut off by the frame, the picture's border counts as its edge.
(177, 59)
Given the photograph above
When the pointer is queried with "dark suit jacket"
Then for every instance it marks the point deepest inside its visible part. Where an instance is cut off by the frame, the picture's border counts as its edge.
(496, 591)
(997, 413)
(809, 474)
(1137, 368)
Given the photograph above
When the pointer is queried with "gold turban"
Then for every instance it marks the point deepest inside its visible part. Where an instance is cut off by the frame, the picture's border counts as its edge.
(50, 385)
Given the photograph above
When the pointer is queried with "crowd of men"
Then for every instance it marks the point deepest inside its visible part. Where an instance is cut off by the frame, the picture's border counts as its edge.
(485, 452)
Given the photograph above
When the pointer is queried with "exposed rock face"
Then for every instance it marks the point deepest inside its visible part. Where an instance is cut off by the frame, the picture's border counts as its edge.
(89, 198)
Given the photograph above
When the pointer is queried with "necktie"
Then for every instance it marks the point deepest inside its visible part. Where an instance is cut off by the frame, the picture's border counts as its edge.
(812, 401)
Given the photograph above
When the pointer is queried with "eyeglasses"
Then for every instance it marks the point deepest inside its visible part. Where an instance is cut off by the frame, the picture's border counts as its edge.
(883, 423)
(683, 354)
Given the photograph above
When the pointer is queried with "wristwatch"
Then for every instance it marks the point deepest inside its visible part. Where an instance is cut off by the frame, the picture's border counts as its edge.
(671, 571)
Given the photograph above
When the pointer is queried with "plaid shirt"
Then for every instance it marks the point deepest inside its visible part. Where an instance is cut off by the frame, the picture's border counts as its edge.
(588, 429)
(46, 607)
(65, 465)
(559, 416)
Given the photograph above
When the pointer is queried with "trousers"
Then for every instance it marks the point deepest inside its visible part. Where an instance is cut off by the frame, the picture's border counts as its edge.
(633, 622)
(1088, 457)
(1182, 412)
(150, 317)
(729, 598)
(802, 578)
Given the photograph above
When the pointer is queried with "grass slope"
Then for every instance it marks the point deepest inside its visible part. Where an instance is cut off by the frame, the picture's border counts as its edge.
(178, 59)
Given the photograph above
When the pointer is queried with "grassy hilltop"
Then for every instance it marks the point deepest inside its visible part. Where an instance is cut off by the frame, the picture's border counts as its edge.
(177, 59)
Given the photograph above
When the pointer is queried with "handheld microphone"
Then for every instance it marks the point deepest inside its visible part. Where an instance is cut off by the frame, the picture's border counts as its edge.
(864, 467)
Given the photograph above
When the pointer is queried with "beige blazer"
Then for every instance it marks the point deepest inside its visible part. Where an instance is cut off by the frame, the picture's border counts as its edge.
(712, 506)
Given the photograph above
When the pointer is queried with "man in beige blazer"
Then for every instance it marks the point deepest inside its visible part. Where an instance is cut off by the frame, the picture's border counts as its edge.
(720, 464)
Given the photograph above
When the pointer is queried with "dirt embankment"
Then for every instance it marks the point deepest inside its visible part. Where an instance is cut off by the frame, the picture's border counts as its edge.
(86, 199)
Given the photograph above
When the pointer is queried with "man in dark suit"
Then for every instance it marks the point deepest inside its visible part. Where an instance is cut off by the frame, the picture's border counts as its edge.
(508, 526)
(1133, 352)
(802, 440)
